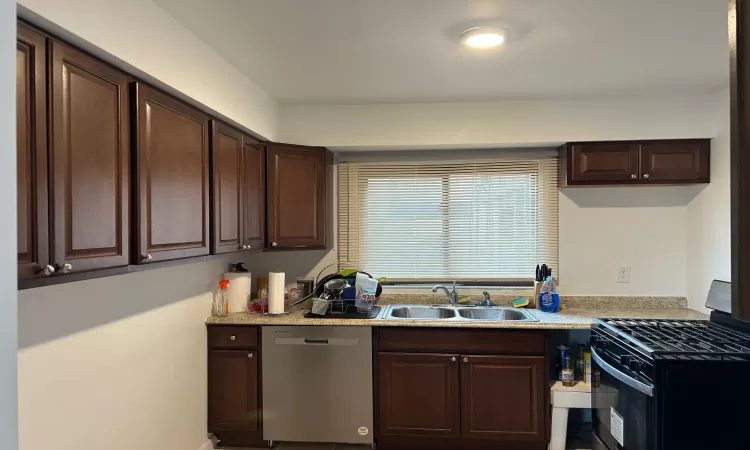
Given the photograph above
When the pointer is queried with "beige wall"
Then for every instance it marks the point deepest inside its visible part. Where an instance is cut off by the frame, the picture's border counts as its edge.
(8, 323)
(116, 363)
(492, 124)
(143, 36)
(708, 216)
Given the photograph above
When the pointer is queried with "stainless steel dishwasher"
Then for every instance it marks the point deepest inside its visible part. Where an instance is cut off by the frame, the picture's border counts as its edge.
(317, 384)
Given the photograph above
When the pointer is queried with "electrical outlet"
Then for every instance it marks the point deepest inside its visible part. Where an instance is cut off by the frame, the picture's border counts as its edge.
(623, 275)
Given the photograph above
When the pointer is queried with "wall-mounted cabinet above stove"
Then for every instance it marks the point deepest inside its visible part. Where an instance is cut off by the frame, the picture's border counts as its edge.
(673, 161)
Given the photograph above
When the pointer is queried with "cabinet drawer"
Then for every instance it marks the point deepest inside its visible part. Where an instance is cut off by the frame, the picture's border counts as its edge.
(506, 342)
(233, 337)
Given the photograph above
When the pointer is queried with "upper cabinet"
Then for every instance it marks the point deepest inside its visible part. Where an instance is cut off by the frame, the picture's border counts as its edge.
(253, 193)
(172, 155)
(31, 154)
(238, 186)
(677, 161)
(90, 162)
(296, 196)
(73, 195)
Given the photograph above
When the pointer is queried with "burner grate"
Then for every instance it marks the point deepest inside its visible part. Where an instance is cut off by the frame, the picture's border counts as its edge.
(685, 337)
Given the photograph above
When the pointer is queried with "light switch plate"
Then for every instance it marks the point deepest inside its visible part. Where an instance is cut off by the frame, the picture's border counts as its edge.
(623, 275)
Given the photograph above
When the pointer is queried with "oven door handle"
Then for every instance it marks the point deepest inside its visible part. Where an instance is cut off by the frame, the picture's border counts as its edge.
(644, 388)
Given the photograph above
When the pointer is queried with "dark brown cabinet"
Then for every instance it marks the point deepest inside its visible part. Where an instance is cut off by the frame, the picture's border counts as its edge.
(172, 178)
(253, 193)
(419, 394)
(233, 390)
(676, 161)
(296, 196)
(604, 162)
(234, 386)
(31, 154)
(238, 190)
(501, 397)
(465, 395)
(227, 189)
(89, 161)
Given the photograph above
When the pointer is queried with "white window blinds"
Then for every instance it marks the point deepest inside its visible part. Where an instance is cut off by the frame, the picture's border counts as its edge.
(471, 221)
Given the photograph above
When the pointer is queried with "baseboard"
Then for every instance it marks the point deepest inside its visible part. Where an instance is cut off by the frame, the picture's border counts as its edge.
(208, 445)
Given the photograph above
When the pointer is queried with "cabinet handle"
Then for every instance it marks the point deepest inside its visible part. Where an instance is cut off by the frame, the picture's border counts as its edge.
(231, 338)
(48, 270)
(249, 355)
(274, 244)
(64, 268)
(466, 360)
(645, 175)
(453, 359)
(633, 176)
(146, 257)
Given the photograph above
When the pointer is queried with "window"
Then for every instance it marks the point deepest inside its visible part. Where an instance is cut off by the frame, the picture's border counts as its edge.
(490, 221)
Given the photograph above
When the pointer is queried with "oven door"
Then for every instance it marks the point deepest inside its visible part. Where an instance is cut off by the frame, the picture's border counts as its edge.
(623, 406)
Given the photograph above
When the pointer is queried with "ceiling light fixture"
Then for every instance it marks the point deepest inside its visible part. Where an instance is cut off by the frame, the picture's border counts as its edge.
(483, 37)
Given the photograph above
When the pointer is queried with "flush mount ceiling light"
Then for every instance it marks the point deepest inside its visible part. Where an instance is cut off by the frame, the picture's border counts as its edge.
(483, 37)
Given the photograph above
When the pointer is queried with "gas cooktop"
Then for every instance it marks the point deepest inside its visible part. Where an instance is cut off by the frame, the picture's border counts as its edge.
(682, 339)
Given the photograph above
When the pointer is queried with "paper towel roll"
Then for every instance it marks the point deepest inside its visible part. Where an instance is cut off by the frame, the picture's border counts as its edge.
(239, 289)
(276, 292)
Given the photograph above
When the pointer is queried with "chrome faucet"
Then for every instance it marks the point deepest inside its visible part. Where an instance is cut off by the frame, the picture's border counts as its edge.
(452, 295)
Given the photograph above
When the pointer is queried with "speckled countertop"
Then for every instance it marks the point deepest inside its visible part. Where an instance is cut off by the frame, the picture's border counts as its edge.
(579, 315)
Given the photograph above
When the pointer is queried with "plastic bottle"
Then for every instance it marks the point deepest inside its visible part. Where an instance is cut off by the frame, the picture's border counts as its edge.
(221, 301)
(549, 300)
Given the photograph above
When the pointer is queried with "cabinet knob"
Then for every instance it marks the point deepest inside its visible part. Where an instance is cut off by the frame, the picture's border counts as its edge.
(64, 268)
(633, 176)
(232, 338)
(147, 257)
(48, 270)
(453, 359)
(274, 244)
(645, 175)
(245, 247)
(466, 360)
(249, 355)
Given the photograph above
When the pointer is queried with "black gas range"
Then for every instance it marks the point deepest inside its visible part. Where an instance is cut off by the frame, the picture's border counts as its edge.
(673, 384)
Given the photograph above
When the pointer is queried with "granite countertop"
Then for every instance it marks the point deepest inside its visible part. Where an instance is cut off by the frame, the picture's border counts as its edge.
(579, 315)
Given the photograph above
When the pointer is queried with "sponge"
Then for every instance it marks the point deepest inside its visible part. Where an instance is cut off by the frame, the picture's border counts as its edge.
(520, 302)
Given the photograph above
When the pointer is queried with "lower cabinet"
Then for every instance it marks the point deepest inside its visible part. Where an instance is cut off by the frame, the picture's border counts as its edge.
(419, 394)
(501, 398)
(234, 395)
(436, 395)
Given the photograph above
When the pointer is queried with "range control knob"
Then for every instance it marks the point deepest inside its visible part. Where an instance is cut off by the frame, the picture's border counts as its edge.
(625, 360)
(635, 365)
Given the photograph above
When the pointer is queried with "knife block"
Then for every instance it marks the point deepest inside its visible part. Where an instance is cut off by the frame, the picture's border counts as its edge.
(534, 302)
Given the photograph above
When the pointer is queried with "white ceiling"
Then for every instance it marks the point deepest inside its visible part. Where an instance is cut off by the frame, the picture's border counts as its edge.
(397, 51)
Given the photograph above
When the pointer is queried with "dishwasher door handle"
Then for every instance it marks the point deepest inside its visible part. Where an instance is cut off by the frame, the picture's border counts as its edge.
(340, 342)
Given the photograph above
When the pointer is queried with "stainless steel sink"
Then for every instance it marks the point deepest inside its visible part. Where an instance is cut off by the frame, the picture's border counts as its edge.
(495, 314)
(420, 312)
(462, 313)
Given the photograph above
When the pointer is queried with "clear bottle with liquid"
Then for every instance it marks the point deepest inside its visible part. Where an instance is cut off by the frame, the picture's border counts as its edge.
(221, 300)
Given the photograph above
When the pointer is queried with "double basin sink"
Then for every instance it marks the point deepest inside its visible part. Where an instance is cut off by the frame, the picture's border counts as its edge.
(450, 313)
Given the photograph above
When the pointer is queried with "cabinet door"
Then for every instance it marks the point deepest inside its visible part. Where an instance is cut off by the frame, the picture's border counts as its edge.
(31, 153)
(296, 196)
(418, 394)
(90, 162)
(253, 193)
(603, 162)
(227, 189)
(233, 401)
(503, 397)
(676, 161)
(173, 184)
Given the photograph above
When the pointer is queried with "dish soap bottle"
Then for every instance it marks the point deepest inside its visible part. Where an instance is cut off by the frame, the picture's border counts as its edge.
(221, 301)
(549, 300)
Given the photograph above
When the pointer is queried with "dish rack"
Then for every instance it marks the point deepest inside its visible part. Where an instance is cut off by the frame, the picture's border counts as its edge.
(324, 306)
